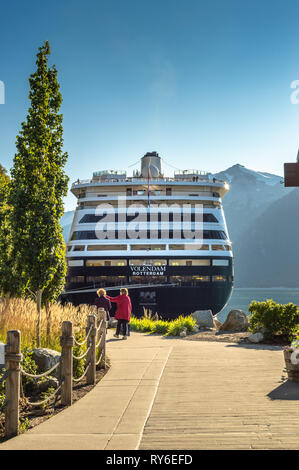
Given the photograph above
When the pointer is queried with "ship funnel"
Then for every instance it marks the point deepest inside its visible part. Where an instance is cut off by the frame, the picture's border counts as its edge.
(151, 165)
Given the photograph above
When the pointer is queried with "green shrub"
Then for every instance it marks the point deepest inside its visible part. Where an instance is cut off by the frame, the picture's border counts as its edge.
(275, 319)
(45, 395)
(160, 327)
(79, 364)
(152, 324)
(28, 365)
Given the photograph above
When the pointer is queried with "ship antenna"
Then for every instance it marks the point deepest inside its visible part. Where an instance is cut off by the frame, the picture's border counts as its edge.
(148, 188)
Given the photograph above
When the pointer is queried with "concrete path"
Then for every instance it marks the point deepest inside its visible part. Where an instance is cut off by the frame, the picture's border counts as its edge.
(178, 394)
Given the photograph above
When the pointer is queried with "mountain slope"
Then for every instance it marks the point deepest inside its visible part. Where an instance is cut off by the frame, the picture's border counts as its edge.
(267, 252)
(250, 194)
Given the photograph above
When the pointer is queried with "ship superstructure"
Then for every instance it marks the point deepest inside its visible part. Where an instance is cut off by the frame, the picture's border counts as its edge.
(164, 238)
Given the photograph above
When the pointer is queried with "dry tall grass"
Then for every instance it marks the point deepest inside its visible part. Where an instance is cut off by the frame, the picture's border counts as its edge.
(21, 314)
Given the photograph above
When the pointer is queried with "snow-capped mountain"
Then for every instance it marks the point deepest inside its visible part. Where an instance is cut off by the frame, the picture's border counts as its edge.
(251, 192)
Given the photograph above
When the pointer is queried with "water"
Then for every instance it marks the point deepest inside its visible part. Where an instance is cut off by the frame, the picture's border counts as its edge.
(241, 298)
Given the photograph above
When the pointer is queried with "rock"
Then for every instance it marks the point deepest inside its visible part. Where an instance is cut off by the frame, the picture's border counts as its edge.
(2, 358)
(43, 385)
(183, 333)
(45, 359)
(204, 318)
(256, 337)
(237, 320)
(217, 323)
(195, 329)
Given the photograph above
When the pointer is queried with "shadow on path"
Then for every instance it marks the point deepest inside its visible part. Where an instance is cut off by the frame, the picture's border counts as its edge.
(286, 391)
(269, 347)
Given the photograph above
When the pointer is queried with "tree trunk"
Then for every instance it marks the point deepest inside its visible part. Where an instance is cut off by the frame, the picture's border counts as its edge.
(49, 321)
(39, 313)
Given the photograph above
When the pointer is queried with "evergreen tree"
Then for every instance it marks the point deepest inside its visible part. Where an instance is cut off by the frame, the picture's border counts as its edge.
(38, 185)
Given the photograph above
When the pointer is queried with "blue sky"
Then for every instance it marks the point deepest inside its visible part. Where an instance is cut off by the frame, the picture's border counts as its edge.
(206, 84)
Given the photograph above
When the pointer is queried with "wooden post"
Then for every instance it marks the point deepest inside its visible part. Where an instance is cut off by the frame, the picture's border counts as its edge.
(13, 358)
(67, 342)
(91, 355)
(103, 316)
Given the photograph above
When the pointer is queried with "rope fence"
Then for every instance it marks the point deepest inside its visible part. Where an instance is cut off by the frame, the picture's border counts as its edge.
(96, 328)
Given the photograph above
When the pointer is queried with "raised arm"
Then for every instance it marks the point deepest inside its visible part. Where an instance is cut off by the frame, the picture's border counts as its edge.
(118, 299)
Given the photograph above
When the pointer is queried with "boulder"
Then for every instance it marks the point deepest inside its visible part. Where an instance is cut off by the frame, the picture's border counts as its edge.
(256, 337)
(237, 320)
(217, 323)
(45, 359)
(41, 385)
(183, 333)
(204, 318)
(2, 358)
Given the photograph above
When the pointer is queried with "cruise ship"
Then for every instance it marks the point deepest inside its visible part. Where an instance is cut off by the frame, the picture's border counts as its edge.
(164, 238)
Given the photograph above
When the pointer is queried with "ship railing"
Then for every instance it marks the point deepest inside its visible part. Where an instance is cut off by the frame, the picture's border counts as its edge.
(185, 178)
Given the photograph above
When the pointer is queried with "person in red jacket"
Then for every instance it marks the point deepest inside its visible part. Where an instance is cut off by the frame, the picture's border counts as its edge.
(123, 311)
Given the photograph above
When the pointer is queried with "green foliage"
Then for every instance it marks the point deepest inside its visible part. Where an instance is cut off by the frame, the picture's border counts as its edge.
(45, 395)
(24, 423)
(160, 327)
(275, 319)
(38, 185)
(148, 324)
(29, 366)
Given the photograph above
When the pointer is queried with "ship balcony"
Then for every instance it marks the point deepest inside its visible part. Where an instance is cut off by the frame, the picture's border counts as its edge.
(169, 199)
(213, 182)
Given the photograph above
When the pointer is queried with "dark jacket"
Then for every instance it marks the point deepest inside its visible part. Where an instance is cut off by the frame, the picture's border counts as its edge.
(103, 302)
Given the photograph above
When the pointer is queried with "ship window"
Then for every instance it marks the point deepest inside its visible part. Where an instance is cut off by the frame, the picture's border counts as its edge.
(107, 247)
(168, 191)
(189, 280)
(218, 247)
(148, 247)
(218, 278)
(69, 248)
(76, 262)
(106, 281)
(148, 279)
(189, 262)
(91, 218)
(129, 191)
(79, 248)
(140, 192)
(227, 247)
(77, 279)
(207, 218)
(220, 262)
(152, 262)
(103, 262)
(162, 234)
(197, 279)
(194, 246)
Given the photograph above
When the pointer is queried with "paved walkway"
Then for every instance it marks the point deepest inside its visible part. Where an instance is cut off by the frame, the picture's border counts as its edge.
(178, 394)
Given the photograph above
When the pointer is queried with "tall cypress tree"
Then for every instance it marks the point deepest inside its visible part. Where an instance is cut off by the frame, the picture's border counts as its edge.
(38, 185)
